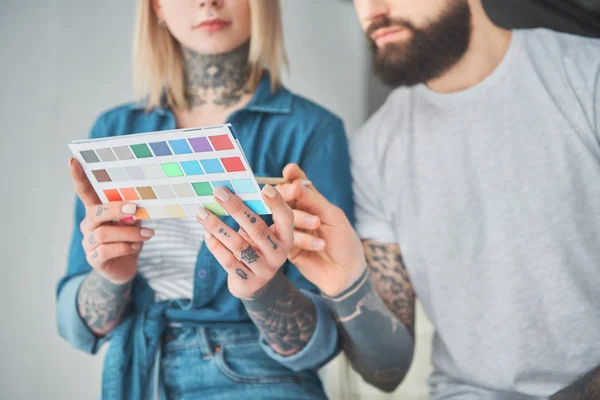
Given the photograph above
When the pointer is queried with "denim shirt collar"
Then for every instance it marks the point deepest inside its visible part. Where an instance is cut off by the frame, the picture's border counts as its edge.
(265, 101)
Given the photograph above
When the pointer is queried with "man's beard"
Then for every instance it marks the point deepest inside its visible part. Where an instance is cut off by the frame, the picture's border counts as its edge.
(428, 53)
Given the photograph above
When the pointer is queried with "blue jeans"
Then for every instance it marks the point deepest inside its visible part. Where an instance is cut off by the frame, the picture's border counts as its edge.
(228, 363)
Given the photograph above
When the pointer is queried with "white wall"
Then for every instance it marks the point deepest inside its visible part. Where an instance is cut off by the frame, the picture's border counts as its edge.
(63, 62)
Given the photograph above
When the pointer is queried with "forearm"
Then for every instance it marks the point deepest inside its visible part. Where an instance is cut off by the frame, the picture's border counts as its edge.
(379, 347)
(285, 317)
(585, 388)
(101, 303)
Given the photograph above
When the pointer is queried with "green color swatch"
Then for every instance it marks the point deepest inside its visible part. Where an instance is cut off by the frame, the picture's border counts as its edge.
(141, 150)
(172, 169)
(203, 188)
(215, 209)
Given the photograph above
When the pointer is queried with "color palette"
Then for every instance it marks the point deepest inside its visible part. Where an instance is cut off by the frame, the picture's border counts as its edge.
(169, 174)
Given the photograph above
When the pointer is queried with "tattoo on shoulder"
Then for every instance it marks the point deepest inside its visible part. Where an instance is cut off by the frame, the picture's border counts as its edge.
(391, 280)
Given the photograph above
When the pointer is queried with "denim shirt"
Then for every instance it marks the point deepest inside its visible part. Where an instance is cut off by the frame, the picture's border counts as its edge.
(274, 129)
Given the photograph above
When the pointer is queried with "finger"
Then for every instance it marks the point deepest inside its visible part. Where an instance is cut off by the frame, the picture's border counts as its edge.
(310, 200)
(101, 213)
(283, 216)
(292, 171)
(106, 252)
(227, 260)
(308, 242)
(304, 220)
(83, 187)
(268, 243)
(232, 240)
(115, 234)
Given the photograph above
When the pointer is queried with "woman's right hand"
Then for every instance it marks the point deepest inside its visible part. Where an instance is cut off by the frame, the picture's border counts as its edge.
(112, 240)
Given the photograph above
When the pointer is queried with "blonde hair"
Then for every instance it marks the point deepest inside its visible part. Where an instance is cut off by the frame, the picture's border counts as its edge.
(157, 57)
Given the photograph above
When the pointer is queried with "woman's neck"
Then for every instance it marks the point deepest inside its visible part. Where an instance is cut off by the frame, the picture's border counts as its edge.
(217, 80)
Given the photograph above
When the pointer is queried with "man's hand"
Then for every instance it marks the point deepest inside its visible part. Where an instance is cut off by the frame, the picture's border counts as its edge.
(326, 248)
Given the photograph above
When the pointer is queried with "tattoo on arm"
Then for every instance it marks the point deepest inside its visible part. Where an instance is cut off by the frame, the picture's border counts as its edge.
(102, 303)
(285, 317)
(391, 280)
(585, 388)
(376, 343)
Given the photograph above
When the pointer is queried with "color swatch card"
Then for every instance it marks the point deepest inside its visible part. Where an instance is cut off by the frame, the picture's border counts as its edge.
(168, 174)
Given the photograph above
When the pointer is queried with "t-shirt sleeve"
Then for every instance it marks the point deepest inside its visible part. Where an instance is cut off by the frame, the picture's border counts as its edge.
(372, 221)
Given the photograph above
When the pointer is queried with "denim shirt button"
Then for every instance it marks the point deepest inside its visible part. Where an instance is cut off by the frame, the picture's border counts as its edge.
(202, 273)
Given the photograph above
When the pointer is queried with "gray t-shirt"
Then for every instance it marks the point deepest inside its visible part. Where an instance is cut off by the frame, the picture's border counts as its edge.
(493, 195)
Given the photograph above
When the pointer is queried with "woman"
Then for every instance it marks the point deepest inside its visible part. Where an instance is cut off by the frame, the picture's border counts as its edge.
(178, 319)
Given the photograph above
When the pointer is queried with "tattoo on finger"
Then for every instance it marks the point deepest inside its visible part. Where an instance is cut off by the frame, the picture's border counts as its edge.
(91, 239)
(249, 255)
(275, 245)
(99, 211)
(95, 254)
(241, 273)
(224, 232)
(250, 217)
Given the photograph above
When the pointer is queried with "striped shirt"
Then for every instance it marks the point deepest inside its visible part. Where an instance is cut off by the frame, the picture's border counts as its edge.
(167, 261)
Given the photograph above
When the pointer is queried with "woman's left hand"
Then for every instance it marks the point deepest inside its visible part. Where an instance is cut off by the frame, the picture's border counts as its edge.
(253, 255)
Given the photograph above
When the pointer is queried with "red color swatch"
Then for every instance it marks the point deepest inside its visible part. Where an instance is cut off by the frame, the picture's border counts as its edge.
(113, 195)
(221, 142)
(233, 164)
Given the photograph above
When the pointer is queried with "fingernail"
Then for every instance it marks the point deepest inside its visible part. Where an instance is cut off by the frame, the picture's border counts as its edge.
(305, 182)
(269, 191)
(311, 220)
(136, 246)
(207, 236)
(128, 208)
(127, 219)
(222, 194)
(202, 213)
(147, 232)
(317, 244)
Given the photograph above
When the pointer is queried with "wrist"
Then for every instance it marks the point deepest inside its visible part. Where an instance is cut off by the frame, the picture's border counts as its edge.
(344, 304)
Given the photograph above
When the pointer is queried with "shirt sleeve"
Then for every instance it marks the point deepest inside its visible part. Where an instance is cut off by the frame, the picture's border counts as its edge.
(71, 326)
(372, 222)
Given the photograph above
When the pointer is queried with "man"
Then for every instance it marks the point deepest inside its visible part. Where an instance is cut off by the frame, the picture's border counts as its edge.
(477, 189)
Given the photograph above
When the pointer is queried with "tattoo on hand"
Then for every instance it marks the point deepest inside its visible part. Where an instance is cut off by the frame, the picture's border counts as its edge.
(285, 317)
(95, 254)
(249, 255)
(241, 273)
(91, 239)
(272, 242)
(99, 211)
(224, 232)
(101, 303)
(250, 217)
